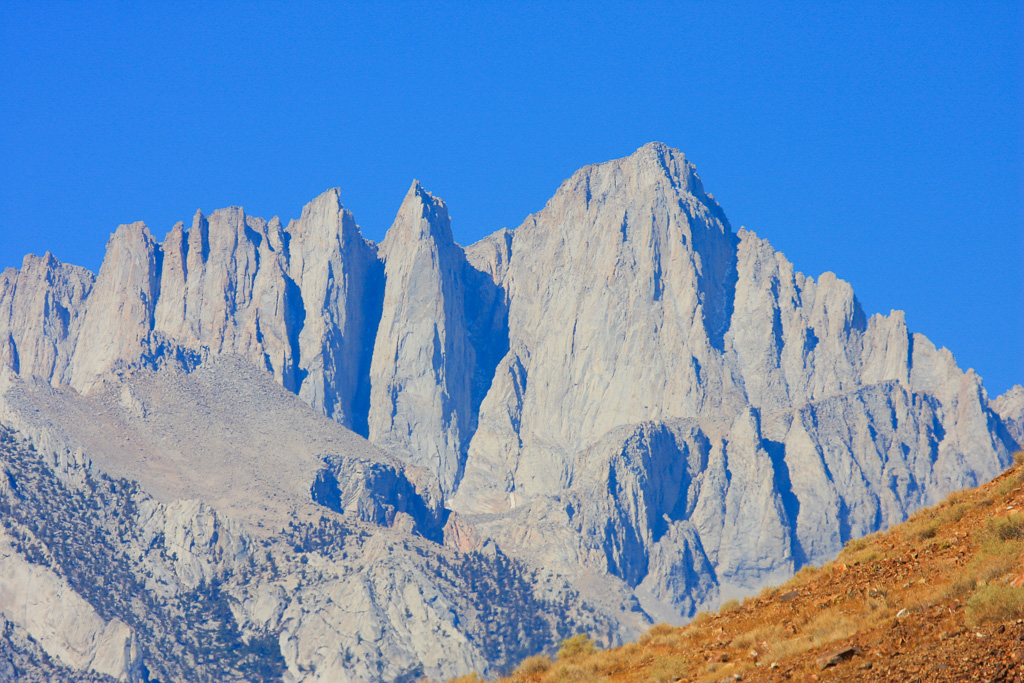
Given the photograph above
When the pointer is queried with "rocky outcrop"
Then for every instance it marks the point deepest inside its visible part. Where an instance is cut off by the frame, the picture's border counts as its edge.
(378, 493)
(41, 309)
(1010, 407)
(65, 625)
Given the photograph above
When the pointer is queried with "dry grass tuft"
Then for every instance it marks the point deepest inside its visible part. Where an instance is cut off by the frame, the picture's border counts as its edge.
(1009, 528)
(660, 634)
(768, 633)
(669, 668)
(1007, 485)
(805, 575)
(995, 603)
(568, 673)
(826, 627)
(961, 585)
(702, 618)
(533, 666)
(729, 606)
(473, 677)
(954, 513)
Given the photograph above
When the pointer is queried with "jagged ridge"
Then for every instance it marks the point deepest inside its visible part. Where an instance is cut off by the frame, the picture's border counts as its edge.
(623, 389)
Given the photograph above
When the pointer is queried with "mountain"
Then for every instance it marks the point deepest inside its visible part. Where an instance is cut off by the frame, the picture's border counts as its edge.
(623, 411)
(939, 597)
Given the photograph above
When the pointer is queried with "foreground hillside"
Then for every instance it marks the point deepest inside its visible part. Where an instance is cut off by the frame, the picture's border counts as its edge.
(938, 598)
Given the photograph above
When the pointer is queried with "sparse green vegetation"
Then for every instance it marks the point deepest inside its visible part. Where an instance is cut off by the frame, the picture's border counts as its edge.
(578, 646)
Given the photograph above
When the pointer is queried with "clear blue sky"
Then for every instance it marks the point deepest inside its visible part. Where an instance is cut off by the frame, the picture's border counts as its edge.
(882, 141)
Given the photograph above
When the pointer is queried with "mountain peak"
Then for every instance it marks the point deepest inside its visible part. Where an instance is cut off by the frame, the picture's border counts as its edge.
(653, 168)
(421, 215)
(320, 215)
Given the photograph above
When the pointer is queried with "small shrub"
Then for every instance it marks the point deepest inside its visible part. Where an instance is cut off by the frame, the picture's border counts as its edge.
(1010, 528)
(567, 673)
(995, 557)
(669, 668)
(954, 498)
(928, 531)
(829, 626)
(577, 646)
(1018, 458)
(962, 585)
(995, 603)
(729, 606)
(473, 677)
(853, 546)
(701, 619)
(655, 632)
(804, 575)
(712, 672)
(769, 633)
(533, 666)
(954, 514)
(1007, 485)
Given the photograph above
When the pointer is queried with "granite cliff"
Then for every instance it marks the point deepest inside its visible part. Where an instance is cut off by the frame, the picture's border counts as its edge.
(621, 411)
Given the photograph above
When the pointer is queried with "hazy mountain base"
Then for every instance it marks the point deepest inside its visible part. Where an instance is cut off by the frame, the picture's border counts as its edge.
(112, 580)
(691, 513)
(22, 659)
(937, 598)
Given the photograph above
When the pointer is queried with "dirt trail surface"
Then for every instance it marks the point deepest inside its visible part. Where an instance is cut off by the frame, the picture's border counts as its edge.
(938, 598)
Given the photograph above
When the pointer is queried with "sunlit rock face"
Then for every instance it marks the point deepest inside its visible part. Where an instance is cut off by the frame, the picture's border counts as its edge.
(623, 407)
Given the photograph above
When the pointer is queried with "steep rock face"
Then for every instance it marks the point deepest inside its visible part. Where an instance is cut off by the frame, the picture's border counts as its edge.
(423, 360)
(863, 421)
(792, 339)
(223, 288)
(41, 311)
(630, 259)
(340, 282)
(119, 314)
(1010, 407)
(377, 493)
(301, 302)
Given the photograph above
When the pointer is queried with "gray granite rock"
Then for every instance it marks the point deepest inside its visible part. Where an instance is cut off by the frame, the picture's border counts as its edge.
(622, 403)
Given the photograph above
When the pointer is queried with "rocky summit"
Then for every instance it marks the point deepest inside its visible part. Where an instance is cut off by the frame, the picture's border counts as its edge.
(257, 452)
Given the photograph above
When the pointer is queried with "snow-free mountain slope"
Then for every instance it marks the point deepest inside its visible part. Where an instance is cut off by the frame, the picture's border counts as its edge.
(358, 459)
